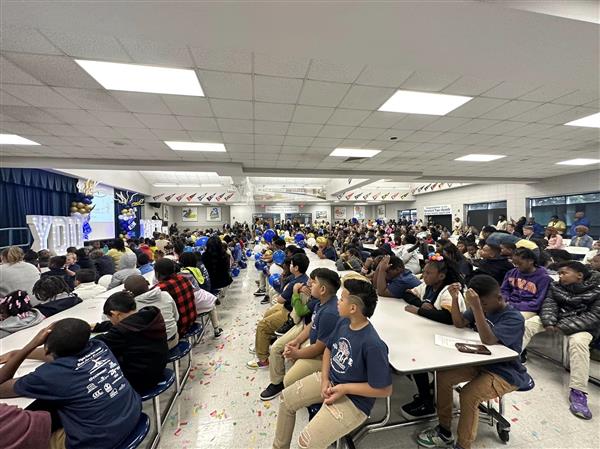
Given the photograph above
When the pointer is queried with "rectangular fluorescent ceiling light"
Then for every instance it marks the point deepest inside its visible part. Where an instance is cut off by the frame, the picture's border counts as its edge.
(411, 102)
(165, 185)
(196, 146)
(143, 78)
(580, 161)
(13, 139)
(479, 157)
(211, 185)
(354, 152)
(591, 121)
(189, 185)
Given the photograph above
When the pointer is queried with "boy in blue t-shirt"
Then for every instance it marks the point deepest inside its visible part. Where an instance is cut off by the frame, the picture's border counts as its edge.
(392, 279)
(497, 323)
(328, 251)
(355, 371)
(82, 386)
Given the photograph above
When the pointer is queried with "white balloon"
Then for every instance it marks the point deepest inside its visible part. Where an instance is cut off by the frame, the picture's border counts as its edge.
(275, 269)
(311, 241)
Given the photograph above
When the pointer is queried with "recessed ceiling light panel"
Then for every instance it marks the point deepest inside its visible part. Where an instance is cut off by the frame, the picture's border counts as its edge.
(196, 146)
(13, 139)
(479, 157)
(412, 102)
(579, 161)
(591, 121)
(354, 152)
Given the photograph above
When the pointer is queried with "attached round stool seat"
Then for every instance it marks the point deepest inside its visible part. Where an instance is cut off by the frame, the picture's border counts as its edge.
(166, 382)
(178, 352)
(194, 332)
(137, 435)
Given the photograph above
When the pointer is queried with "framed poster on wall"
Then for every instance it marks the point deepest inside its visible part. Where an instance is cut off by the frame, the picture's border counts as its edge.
(321, 215)
(165, 212)
(381, 211)
(189, 214)
(213, 213)
(339, 213)
(359, 212)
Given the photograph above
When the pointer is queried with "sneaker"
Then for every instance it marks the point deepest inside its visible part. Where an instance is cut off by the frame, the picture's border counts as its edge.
(418, 408)
(251, 349)
(285, 327)
(579, 406)
(265, 300)
(434, 438)
(258, 364)
(524, 357)
(218, 332)
(218, 302)
(271, 392)
(260, 292)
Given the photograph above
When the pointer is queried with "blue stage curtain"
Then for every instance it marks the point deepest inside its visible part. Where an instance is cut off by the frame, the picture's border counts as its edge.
(25, 191)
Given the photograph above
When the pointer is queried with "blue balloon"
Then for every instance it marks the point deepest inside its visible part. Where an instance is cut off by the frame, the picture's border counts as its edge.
(265, 270)
(354, 220)
(302, 244)
(242, 264)
(299, 237)
(258, 232)
(269, 235)
(275, 280)
(259, 265)
(235, 272)
(248, 253)
(201, 241)
(257, 256)
(279, 257)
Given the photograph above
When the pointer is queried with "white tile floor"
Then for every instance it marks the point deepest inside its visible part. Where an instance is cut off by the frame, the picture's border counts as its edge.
(220, 407)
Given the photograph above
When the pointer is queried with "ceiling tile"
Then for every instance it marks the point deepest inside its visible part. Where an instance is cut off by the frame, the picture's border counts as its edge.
(365, 133)
(335, 131)
(9, 100)
(312, 114)
(502, 127)
(74, 116)
(540, 112)
(206, 136)
(348, 117)
(38, 96)
(11, 74)
(510, 89)
(383, 120)
(366, 97)
(121, 119)
(198, 123)
(88, 46)
(422, 136)
(184, 105)
(273, 111)
(321, 93)
(568, 115)
(510, 109)
(235, 86)
(415, 121)
(284, 65)
(474, 125)
(303, 129)
(298, 140)
(383, 76)
(445, 123)
(91, 99)
(99, 131)
(232, 108)
(429, 81)
(326, 142)
(276, 90)
(235, 125)
(386, 135)
(23, 129)
(25, 39)
(322, 70)
(141, 102)
(159, 121)
(171, 134)
(578, 97)
(469, 86)
(135, 133)
(448, 137)
(476, 107)
(221, 59)
(545, 94)
(242, 138)
(268, 127)
(151, 52)
(29, 114)
(265, 139)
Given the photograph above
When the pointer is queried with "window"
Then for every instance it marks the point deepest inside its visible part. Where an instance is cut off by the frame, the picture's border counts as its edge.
(483, 214)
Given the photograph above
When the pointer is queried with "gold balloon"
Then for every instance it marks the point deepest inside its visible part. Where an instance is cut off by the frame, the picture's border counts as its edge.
(81, 210)
(321, 240)
(80, 205)
(74, 203)
(73, 209)
(311, 235)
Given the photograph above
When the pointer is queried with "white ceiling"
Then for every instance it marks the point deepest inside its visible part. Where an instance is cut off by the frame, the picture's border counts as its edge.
(286, 84)
(181, 177)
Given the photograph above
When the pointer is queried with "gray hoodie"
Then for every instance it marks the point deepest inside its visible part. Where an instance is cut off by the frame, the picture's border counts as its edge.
(165, 303)
(127, 264)
(13, 324)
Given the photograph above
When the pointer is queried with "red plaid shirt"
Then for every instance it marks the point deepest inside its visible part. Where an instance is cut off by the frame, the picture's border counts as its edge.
(182, 292)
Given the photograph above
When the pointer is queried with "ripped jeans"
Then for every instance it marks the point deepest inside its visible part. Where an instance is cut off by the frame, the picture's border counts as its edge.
(329, 424)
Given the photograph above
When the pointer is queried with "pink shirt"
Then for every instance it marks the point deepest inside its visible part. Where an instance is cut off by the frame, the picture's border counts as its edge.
(24, 429)
(555, 242)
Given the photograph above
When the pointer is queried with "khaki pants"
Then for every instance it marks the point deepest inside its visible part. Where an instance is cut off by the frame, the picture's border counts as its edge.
(272, 320)
(578, 348)
(482, 386)
(173, 342)
(329, 424)
(58, 439)
(302, 368)
(276, 360)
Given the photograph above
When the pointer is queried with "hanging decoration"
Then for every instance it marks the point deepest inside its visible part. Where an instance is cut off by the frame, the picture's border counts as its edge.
(127, 213)
(82, 206)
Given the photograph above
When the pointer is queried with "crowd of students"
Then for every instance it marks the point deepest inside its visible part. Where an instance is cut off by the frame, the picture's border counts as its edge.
(496, 281)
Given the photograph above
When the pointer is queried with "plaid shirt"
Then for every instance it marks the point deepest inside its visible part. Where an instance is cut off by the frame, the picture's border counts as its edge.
(182, 292)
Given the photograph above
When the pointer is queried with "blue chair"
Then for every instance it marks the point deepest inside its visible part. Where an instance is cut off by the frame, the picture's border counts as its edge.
(313, 410)
(137, 435)
(194, 333)
(154, 393)
(182, 349)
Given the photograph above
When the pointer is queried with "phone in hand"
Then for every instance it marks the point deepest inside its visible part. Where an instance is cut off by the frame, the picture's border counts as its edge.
(473, 348)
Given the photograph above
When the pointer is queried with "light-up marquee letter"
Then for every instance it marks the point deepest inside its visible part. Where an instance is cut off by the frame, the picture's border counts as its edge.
(55, 234)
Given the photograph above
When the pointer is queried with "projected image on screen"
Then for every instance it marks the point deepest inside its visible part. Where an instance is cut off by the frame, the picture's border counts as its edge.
(102, 218)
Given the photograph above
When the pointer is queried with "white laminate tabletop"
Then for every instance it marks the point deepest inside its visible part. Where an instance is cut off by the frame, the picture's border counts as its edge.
(577, 250)
(369, 246)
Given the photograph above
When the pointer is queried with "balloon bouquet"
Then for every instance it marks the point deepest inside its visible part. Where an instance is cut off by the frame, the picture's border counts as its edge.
(82, 204)
(127, 215)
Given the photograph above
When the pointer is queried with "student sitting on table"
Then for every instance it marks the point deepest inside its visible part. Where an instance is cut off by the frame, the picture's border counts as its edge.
(492, 262)
(58, 267)
(278, 314)
(581, 239)
(85, 413)
(138, 339)
(572, 308)
(53, 295)
(85, 284)
(23, 429)
(144, 264)
(355, 371)
(392, 279)
(16, 313)
(307, 359)
(127, 268)
(144, 297)
(432, 300)
(327, 251)
(497, 322)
